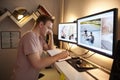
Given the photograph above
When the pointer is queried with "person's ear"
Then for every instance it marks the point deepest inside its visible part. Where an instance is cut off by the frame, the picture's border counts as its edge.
(41, 24)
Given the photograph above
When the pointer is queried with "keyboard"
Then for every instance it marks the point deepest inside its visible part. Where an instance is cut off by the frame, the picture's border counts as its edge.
(57, 51)
(99, 74)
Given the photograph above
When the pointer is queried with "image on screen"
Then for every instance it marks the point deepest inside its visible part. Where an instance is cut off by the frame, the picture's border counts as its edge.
(67, 32)
(96, 32)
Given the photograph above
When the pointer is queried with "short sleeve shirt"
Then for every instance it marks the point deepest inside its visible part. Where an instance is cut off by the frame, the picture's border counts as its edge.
(29, 44)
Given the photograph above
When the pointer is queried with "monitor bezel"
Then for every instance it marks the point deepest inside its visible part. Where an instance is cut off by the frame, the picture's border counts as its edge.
(115, 15)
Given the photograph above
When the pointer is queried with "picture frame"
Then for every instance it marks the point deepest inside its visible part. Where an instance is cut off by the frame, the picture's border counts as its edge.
(10, 39)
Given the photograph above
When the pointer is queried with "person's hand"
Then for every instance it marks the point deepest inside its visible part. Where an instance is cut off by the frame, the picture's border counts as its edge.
(63, 55)
(50, 32)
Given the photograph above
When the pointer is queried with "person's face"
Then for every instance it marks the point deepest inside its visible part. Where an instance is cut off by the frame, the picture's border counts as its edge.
(46, 28)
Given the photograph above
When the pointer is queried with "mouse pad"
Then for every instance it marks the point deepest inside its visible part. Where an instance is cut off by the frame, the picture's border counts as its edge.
(80, 64)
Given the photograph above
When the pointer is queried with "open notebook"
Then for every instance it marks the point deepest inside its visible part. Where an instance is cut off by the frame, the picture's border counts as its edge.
(57, 51)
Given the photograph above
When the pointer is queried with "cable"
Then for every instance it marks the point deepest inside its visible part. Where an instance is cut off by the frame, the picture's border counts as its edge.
(92, 75)
(85, 53)
(69, 47)
(89, 56)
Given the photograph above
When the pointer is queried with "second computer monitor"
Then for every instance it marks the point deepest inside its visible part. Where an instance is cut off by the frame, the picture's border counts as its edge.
(67, 32)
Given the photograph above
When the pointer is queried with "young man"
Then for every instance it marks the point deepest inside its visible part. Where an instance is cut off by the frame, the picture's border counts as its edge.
(31, 46)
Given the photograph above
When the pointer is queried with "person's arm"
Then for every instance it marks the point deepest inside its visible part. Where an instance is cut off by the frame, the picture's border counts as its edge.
(51, 40)
(38, 63)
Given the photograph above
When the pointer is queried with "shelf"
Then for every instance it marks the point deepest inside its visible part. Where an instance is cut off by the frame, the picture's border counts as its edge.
(7, 13)
(20, 23)
(23, 21)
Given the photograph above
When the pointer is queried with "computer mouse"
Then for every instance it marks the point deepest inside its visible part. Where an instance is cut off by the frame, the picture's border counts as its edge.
(78, 61)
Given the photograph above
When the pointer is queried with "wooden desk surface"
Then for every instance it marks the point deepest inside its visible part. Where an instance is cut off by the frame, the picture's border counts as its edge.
(72, 74)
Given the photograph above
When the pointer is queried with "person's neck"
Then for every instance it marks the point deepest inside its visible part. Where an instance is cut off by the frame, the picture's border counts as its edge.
(36, 31)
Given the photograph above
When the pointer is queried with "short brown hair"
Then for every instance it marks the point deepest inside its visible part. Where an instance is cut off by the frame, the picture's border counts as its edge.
(44, 19)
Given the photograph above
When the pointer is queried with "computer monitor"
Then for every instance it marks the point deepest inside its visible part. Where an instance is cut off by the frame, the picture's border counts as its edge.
(67, 32)
(97, 32)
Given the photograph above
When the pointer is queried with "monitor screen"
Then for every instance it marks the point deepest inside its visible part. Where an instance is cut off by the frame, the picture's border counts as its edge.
(67, 32)
(97, 32)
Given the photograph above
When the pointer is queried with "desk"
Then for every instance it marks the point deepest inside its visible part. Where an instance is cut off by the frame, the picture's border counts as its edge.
(72, 74)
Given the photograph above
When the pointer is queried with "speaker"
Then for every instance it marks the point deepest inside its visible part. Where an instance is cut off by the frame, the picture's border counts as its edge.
(115, 71)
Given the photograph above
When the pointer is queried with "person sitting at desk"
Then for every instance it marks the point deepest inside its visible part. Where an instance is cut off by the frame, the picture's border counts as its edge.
(29, 61)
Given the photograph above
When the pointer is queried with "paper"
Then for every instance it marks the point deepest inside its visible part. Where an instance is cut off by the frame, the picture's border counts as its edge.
(57, 51)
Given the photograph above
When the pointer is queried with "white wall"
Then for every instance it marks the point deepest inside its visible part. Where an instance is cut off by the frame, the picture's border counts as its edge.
(74, 9)
(8, 56)
(31, 5)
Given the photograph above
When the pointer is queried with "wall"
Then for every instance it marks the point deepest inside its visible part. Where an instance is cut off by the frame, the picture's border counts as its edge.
(74, 9)
(8, 56)
(31, 5)
(78, 8)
